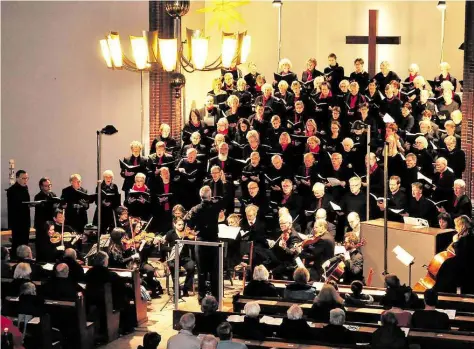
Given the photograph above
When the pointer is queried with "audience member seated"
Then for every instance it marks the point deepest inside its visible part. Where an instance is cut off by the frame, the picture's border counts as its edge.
(29, 306)
(151, 340)
(389, 335)
(394, 288)
(429, 318)
(211, 318)
(293, 325)
(395, 302)
(96, 278)
(21, 275)
(16, 334)
(25, 255)
(6, 269)
(357, 299)
(335, 332)
(185, 338)
(61, 287)
(300, 289)
(325, 301)
(260, 286)
(76, 272)
(251, 328)
(209, 342)
(224, 331)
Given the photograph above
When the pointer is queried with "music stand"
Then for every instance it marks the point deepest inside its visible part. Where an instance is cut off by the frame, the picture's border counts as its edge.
(407, 259)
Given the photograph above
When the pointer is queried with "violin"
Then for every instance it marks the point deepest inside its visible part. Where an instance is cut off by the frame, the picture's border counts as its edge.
(55, 237)
(310, 241)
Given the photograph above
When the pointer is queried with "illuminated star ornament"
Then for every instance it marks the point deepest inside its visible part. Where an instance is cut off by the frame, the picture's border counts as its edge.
(224, 12)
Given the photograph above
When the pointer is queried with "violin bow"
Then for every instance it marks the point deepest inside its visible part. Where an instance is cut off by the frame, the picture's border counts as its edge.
(146, 226)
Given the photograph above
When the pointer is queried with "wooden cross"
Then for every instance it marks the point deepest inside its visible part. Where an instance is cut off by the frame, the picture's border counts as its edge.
(373, 40)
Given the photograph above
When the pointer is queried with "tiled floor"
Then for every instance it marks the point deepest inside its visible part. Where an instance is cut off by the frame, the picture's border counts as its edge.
(161, 321)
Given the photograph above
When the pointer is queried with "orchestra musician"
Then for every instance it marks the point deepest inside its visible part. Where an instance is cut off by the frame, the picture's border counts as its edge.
(285, 249)
(58, 237)
(123, 221)
(186, 254)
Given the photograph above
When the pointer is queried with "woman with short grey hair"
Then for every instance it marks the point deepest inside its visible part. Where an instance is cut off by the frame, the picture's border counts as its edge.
(259, 286)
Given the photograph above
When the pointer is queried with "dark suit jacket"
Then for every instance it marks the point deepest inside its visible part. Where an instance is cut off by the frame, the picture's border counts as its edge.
(463, 207)
(336, 334)
(129, 180)
(63, 289)
(294, 329)
(260, 289)
(444, 186)
(95, 279)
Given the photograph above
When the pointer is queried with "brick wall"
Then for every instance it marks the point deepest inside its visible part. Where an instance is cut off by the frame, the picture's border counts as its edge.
(468, 98)
(164, 107)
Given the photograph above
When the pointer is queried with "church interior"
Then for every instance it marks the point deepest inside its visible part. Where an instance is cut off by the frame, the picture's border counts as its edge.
(309, 165)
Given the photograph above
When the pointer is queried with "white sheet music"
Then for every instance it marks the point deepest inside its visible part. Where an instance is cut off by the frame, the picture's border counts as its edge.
(334, 206)
(271, 320)
(450, 312)
(226, 232)
(334, 181)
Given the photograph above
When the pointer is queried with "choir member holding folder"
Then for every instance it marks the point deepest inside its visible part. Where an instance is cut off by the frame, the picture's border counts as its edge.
(132, 165)
(110, 197)
(76, 202)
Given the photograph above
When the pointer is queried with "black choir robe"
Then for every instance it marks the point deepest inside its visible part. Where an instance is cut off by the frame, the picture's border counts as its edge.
(361, 78)
(440, 78)
(137, 208)
(191, 181)
(322, 202)
(341, 174)
(224, 190)
(423, 209)
(162, 205)
(110, 201)
(155, 162)
(250, 79)
(276, 176)
(288, 101)
(258, 172)
(310, 174)
(210, 117)
(376, 181)
(460, 206)
(374, 102)
(456, 160)
(261, 126)
(355, 203)
(320, 106)
(170, 144)
(393, 107)
(336, 76)
(189, 129)
(245, 103)
(396, 201)
(273, 136)
(409, 177)
(258, 200)
(128, 181)
(294, 204)
(288, 156)
(424, 161)
(272, 106)
(45, 211)
(75, 217)
(383, 81)
(444, 186)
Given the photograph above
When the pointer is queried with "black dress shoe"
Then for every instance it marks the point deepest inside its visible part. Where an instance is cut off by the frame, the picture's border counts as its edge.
(185, 293)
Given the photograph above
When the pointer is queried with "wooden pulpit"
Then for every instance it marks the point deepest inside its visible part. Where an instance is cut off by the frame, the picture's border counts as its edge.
(421, 243)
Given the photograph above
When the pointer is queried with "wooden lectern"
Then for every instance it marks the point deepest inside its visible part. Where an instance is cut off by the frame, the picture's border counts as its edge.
(421, 243)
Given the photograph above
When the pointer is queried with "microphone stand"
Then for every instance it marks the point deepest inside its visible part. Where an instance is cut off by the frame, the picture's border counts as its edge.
(385, 215)
(367, 199)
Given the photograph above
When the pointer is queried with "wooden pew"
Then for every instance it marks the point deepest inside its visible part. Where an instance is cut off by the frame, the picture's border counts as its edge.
(139, 305)
(366, 314)
(461, 302)
(85, 330)
(427, 339)
(9, 308)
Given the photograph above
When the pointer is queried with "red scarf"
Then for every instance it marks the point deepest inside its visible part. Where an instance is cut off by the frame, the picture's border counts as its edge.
(310, 76)
(314, 150)
(197, 124)
(412, 77)
(258, 88)
(306, 171)
(135, 161)
(309, 134)
(284, 146)
(265, 100)
(373, 168)
(285, 198)
(142, 189)
(166, 189)
(353, 101)
(225, 132)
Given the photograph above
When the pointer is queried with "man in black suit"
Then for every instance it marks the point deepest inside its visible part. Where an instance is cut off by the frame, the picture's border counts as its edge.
(76, 203)
(203, 218)
(220, 188)
(322, 200)
(354, 265)
(356, 200)
(253, 229)
(76, 272)
(44, 212)
(19, 213)
(133, 160)
(429, 318)
(61, 287)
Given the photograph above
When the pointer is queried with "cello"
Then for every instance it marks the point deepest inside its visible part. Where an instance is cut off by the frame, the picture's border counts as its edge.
(429, 280)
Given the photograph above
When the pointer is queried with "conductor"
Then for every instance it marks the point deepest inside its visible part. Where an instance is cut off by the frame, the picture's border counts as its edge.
(203, 220)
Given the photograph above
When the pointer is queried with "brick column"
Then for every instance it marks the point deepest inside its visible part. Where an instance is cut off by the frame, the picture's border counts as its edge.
(164, 107)
(468, 99)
